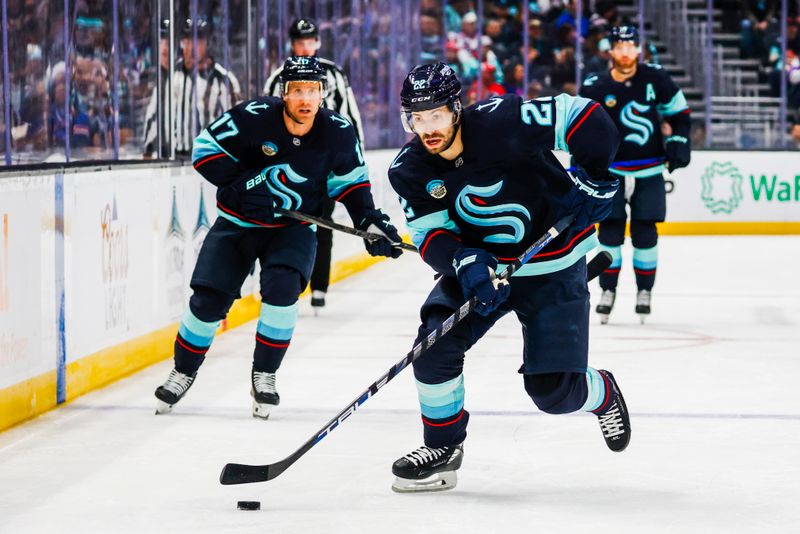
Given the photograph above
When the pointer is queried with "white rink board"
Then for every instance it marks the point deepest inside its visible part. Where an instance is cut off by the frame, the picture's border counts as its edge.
(27, 286)
(129, 252)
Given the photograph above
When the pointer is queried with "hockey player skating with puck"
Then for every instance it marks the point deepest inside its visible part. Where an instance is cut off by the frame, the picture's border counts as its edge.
(478, 186)
(264, 153)
(638, 97)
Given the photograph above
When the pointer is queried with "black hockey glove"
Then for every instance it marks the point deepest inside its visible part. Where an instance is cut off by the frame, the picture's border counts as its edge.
(475, 271)
(678, 152)
(377, 222)
(589, 200)
(250, 200)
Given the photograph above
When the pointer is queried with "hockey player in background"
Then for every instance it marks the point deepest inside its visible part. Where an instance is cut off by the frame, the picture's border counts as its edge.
(264, 153)
(638, 97)
(304, 37)
(478, 187)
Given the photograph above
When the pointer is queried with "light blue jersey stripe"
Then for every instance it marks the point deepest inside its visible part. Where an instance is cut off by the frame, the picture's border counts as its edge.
(641, 173)
(616, 255)
(645, 258)
(198, 333)
(419, 228)
(337, 184)
(676, 105)
(597, 390)
(551, 266)
(205, 145)
(567, 110)
(440, 401)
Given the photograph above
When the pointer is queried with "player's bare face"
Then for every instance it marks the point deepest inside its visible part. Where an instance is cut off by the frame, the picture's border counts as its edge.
(625, 56)
(303, 100)
(435, 128)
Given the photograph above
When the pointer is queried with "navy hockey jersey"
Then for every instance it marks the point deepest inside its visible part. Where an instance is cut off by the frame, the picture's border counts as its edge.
(251, 141)
(638, 106)
(499, 194)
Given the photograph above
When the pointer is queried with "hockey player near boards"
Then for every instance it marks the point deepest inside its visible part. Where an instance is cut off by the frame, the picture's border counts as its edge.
(304, 37)
(638, 97)
(263, 153)
(478, 186)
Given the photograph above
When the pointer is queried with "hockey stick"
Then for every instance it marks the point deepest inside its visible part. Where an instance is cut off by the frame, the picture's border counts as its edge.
(598, 264)
(245, 474)
(330, 225)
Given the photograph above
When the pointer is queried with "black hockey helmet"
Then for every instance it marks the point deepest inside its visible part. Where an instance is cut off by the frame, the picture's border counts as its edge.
(624, 33)
(302, 69)
(429, 87)
(303, 29)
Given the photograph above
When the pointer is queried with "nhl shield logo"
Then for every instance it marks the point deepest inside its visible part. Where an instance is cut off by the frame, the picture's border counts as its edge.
(436, 189)
(610, 101)
(270, 149)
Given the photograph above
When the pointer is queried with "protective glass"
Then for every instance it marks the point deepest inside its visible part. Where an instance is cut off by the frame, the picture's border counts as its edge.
(420, 122)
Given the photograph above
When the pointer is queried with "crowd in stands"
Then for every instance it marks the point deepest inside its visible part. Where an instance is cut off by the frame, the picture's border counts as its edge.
(496, 55)
(48, 89)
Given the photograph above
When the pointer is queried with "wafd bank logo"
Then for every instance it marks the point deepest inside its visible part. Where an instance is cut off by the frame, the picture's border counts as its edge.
(724, 188)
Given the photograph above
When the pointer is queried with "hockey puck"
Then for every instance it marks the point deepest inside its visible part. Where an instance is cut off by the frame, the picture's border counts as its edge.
(248, 505)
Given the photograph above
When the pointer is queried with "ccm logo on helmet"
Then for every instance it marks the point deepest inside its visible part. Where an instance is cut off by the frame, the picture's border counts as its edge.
(421, 98)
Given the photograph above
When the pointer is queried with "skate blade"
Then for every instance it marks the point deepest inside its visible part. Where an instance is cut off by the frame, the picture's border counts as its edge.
(162, 407)
(261, 411)
(642, 317)
(436, 482)
(603, 318)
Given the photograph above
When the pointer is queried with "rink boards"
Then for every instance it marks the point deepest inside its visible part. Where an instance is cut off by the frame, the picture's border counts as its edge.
(95, 262)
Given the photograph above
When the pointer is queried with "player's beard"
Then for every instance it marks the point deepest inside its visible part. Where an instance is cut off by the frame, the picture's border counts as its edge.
(447, 137)
(626, 66)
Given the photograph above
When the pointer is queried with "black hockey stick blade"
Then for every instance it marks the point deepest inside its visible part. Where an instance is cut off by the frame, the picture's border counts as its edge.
(246, 474)
(330, 225)
(599, 263)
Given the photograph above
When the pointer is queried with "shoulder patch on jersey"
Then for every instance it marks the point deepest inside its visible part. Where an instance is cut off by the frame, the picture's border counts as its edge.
(254, 105)
(344, 122)
(396, 162)
(492, 103)
(610, 101)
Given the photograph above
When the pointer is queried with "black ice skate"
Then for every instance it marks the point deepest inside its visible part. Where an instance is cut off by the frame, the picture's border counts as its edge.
(265, 396)
(606, 305)
(614, 422)
(643, 304)
(427, 469)
(173, 390)
(317, 300)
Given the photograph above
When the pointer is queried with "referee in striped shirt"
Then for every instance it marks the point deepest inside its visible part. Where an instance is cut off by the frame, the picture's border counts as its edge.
(304, 36)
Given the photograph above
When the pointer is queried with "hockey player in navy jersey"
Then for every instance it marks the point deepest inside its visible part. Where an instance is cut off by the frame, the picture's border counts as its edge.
(639, 98)
(478, 187)
(264, 153)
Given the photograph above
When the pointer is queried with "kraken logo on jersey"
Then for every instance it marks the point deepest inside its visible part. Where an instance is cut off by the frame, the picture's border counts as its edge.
(471, 206)
(641, 126)
(279, 178)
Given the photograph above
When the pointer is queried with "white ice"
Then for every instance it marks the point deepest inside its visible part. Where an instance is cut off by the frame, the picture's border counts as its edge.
(711, 382)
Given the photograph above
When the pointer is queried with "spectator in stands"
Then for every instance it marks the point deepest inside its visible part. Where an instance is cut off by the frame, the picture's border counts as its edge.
(515, 79)
(468, 37)
(756, 18)
(540, 58)
(489, 88)
(431, 37)
(461, 61)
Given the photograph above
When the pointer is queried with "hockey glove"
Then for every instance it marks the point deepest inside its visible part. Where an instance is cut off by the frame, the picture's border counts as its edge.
(475, 271)
(377, 222)
(250, 200)
(589, 200)
(678, 152)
